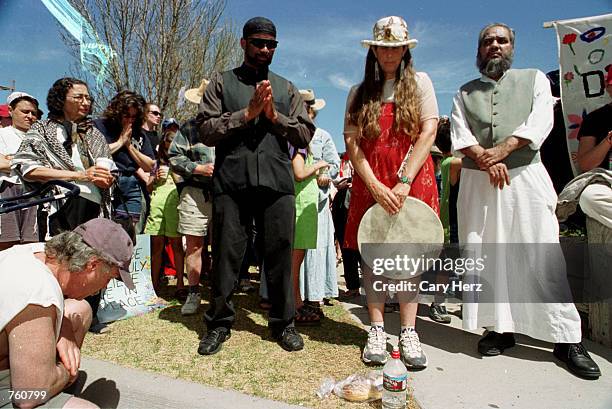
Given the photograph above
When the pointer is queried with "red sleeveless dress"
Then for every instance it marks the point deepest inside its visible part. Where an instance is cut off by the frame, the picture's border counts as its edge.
(385, 155)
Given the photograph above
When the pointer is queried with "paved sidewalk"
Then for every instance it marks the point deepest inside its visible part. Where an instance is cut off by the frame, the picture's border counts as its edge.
(112, 386)
(526, 376)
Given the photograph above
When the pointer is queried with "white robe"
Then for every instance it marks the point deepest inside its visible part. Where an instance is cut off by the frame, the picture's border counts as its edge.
(523, 212)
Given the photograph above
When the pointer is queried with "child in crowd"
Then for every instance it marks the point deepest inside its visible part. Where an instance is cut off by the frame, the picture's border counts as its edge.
(162, 222)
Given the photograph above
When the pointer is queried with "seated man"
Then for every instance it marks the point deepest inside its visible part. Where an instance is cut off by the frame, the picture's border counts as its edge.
(595, 151)
(41, 332)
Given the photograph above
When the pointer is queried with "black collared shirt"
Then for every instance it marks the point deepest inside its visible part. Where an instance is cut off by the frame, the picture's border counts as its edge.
(252, 153)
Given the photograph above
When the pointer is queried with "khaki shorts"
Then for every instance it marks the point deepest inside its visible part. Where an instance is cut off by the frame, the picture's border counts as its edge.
(20, 225)
(58, 401)
(194, 212)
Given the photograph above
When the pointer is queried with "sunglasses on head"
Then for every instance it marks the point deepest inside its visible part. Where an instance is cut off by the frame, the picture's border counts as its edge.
(156, 113)
(261, 43)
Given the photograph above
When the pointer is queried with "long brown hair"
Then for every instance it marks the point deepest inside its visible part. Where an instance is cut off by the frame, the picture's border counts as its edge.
(119, 105)
(364, 110)
(162, 149)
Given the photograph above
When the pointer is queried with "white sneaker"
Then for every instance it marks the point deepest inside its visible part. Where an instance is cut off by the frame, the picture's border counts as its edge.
(411, 351)
(375, 351)
(192, 304)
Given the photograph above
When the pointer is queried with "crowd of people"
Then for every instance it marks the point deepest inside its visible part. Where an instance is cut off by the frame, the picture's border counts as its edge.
(255, 179)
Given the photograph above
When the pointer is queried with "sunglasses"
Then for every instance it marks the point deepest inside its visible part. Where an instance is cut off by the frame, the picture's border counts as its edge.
(261, 43)
(156, 113)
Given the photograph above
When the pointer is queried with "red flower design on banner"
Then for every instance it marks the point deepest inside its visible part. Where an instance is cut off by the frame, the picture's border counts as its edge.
(569, 39)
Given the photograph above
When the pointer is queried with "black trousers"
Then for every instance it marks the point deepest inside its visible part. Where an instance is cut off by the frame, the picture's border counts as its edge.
(274, 215)
(350, 257)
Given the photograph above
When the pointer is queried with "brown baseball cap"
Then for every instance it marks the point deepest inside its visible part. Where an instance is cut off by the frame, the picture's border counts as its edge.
(113, 242)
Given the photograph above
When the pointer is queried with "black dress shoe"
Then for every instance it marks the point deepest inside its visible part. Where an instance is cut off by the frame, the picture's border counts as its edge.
(578, 360)
(494, 343)
(212, 341)
(290, 339)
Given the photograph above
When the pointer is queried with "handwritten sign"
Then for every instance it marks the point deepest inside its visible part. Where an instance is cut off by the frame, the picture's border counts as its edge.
(118, 302)
(585, 52)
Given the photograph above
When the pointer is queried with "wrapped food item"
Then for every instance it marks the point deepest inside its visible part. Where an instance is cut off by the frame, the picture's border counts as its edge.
(360, 388)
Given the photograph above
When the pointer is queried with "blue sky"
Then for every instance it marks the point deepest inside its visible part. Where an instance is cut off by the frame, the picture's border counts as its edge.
(319, 42)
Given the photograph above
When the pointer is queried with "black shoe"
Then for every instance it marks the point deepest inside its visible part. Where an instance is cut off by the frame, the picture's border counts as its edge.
(212, 341)
(578, 360)
(494, 343)
(439, 314)
(290, 339)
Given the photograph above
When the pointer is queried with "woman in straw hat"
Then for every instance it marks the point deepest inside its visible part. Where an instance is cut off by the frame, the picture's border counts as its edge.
(391, 111)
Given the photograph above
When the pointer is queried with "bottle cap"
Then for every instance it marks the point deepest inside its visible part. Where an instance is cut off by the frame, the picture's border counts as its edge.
(395, 354)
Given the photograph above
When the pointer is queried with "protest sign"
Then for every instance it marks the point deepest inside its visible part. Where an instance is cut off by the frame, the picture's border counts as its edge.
(585, 52)
(118, 302)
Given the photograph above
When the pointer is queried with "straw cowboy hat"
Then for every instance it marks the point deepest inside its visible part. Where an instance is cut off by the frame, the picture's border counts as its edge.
(195, 94)
(309, 98)
(390, 31)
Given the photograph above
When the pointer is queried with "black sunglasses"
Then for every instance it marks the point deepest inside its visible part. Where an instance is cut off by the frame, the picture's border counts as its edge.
(156, 113)
(261, 43)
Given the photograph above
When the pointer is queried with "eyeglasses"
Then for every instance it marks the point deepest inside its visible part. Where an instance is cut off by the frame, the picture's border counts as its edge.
(261, 43)
(156, 113)
(80, 98)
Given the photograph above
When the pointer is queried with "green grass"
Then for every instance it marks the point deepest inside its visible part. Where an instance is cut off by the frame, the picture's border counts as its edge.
(165, 342)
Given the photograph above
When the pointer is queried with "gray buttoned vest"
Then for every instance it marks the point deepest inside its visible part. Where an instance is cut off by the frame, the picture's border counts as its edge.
(495, 110)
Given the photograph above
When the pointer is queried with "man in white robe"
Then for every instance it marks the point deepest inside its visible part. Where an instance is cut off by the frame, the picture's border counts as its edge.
(506, 197)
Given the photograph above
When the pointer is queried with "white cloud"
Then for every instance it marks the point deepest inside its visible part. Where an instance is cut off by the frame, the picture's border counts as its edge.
(339, 81)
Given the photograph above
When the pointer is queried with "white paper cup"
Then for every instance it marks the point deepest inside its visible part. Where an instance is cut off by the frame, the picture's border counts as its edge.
(105, 163)
(163, 169)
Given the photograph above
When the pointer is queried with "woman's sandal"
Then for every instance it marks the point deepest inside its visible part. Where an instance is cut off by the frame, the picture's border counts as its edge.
(315, 307)
(306, 316)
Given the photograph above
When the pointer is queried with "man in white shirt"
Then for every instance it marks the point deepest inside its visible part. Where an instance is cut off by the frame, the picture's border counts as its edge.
(20, 226)
(507, 199)
(41, 332)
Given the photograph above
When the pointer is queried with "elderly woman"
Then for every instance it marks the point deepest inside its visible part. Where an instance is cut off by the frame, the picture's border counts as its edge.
(392, 110)
(121, 125)
(66, 147)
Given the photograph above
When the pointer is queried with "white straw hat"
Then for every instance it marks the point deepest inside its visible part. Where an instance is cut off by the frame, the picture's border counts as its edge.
(390, 31)
(195, 94)
(309, 98)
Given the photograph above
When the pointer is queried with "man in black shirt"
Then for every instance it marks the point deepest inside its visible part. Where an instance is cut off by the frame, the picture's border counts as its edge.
(595, 151)
(251, 115)
(152, 118)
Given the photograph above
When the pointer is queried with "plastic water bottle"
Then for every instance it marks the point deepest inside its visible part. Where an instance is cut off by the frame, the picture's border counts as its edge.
(395, 382)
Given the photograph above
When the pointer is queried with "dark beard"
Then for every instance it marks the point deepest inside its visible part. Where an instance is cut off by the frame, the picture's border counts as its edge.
(494, 67)
(256, 63)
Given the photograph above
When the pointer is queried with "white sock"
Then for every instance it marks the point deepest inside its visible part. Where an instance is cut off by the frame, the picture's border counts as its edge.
(408, 329)
(380, 324)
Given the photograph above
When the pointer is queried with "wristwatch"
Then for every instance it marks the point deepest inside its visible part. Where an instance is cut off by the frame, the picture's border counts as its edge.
(405, 180)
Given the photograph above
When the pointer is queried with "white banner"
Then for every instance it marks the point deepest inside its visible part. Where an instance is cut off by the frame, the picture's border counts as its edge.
(585, 52)
(118, 302)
